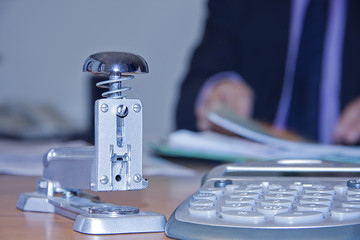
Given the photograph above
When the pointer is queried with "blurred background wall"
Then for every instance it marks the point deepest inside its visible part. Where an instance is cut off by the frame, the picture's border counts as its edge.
(43, 44)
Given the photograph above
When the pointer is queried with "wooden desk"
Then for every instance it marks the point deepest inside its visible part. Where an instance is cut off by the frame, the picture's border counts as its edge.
(163, 195)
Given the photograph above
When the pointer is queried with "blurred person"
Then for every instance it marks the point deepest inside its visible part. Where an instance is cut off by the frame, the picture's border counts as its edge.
(291, 63)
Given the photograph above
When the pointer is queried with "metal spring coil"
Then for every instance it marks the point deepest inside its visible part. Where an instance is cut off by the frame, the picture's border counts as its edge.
(114, 86)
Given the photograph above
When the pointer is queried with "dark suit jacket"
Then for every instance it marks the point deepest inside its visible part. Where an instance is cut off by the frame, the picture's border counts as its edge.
(251, 38)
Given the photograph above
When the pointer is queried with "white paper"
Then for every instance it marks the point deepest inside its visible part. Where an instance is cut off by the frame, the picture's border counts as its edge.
(314, 150)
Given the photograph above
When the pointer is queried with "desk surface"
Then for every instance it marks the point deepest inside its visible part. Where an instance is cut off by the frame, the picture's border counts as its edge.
(163, 195)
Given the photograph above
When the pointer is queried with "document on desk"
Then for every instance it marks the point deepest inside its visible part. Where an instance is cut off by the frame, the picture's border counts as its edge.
(249, 130)
(252, 143)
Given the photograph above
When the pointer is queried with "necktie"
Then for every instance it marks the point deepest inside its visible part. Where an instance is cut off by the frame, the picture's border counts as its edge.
(304, 106)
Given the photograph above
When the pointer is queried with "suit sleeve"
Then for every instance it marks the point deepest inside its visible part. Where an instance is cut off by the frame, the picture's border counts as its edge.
(214, 54)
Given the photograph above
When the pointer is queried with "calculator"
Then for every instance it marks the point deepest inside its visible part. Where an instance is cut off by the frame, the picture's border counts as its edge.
(292, 199)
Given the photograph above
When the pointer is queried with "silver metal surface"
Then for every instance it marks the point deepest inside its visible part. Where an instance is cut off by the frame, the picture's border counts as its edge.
(91, 215)
(181, 213)
(183, 225)
(113, 211)
(114, 163)
(116, 65)
(285, 165)
(127, 223)
(106, 63)
(70, 167)
(118, 147)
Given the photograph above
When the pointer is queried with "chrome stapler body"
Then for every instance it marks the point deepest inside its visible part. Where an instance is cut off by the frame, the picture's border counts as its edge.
(114, 163)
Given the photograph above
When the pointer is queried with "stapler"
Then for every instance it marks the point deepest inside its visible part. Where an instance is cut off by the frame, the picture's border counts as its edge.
(114, 163)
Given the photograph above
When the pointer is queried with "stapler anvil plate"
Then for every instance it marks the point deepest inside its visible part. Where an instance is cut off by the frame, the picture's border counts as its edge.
(114, 163)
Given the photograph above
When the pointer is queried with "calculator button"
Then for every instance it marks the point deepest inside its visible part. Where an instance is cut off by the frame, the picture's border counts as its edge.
(236, 207)
(274, 186)
(201, 211)
(318, 186)
(318, 195)
(298, 186)
(352, 204)
(314, 207)
(304, 217)
(353, 197)
(265, 186)
(257, 190)
(341, 214)
(244, 194)
(250, 201)
(340, 189)
(352, 191)
(277, 202)
(243, 217)
(322, 201)
(284, 191)
(320, 189)
(271, 210)
(280, 196)
(217, 191)
(208, 196)
(250, 190)
(230, 188)
(201, 202)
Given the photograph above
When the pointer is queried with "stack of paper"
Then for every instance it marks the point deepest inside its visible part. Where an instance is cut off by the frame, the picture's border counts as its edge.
(255, 143)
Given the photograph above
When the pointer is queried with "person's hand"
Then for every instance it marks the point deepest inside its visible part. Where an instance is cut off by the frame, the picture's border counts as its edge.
(348, 127)
(237, 95)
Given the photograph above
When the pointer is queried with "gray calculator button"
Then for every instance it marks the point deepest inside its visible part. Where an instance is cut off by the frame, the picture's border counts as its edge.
(230, 188)
(244, 194)
(258, 190)
(298, 186)
(201, 202)
(342, 214)
(247, 200)
(284, 191)
(352, 191)
(209, 196)
(318, 195)
(277, 202)
(340, 189)
(352, 204)
(217, 191)
(320, 189)
(250, 190)
(236, 207)
(353, 197)
(314, 207)
(243, 217)
(265, 185)
(274, 186)
(322, 201)
(318, 186)
(294, 218)
(202, 211)
(280, 196)
(271, 210)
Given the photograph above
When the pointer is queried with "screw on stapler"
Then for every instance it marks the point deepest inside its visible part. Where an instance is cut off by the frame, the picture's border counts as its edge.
(114, 163)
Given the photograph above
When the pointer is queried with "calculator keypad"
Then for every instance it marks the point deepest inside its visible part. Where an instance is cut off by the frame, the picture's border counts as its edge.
(267, 203)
